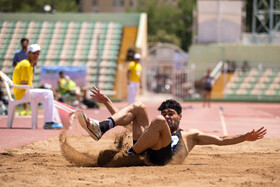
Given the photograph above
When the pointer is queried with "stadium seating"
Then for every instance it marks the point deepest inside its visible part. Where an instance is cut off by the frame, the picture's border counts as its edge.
(74, 43)
(254, 84)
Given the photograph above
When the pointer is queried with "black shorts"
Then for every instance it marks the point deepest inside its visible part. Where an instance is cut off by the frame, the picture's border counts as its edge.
(208, 89)
(159, 157)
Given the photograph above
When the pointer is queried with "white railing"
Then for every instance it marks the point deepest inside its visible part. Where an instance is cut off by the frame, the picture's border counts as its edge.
(141, 40)
(216, 72)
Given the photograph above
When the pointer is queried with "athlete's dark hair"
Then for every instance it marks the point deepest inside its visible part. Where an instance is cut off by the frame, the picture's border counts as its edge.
(170, 103)
(24, 39)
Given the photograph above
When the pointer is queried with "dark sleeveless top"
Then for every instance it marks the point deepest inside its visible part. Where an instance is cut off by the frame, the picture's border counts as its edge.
(208, 84)
(164, 155)
(177, 144)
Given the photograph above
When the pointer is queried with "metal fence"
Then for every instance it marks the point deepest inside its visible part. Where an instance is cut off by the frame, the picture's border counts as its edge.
(176, 80)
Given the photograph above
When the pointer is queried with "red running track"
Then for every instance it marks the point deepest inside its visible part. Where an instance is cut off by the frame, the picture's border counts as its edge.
(238, 117)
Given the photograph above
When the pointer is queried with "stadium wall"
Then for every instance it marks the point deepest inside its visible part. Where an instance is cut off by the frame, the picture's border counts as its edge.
(207, 56)
(126, 19)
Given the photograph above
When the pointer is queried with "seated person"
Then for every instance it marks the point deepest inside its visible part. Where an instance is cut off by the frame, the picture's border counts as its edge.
(19, 56)
(23, 75)
(68, 87)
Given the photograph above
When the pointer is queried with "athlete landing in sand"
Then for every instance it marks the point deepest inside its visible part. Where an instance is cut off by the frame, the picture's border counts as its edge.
(162, 139)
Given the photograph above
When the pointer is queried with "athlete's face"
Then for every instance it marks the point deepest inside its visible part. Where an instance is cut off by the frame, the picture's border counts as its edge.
(172, 118)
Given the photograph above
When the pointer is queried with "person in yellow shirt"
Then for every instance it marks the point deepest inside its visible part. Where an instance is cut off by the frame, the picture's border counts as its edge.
(23, 75)
(134, 78)
(62, 84)
(67, 87)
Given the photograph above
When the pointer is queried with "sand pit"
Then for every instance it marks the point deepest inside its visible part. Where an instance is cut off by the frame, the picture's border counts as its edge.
(42, 164)
(246, 164)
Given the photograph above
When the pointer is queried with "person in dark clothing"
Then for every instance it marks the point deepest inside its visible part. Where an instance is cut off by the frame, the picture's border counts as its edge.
(207, 82)
(22, 53)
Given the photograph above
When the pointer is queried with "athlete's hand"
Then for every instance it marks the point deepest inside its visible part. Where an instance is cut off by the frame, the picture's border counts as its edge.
(255, 135)
(98, 96)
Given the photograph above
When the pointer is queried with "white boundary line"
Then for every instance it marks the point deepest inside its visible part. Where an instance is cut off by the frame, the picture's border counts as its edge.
(223, 122)
(28, 116)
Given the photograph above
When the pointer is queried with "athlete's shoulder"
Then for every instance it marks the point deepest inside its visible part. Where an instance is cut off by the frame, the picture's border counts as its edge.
(191, 135)
(190, 132)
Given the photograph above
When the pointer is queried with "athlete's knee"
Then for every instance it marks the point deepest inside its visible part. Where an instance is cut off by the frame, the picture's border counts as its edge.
(159, 119)
(139, 105)
(158, 122)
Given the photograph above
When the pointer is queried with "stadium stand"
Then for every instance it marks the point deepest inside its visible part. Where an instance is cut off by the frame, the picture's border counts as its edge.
(219, 86)
(98, 41)
(64, 43)
(254, 84)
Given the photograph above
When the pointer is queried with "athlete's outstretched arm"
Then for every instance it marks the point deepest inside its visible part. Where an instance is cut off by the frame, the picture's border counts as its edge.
(206, 139)
(102, 98)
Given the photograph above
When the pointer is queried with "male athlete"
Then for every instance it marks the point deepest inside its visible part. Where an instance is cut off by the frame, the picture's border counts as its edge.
(162, 139)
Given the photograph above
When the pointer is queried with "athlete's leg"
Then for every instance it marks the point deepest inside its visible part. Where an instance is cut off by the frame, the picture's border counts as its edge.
(135, 113)
(157, 136)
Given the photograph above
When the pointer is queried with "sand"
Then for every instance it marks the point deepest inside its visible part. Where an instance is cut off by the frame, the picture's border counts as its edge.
(42, 164)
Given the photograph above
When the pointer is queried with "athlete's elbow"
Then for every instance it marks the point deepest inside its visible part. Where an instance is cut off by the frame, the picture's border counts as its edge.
(220, 141)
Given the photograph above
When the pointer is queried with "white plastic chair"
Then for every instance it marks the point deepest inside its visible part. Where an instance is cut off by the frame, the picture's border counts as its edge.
(13, 102)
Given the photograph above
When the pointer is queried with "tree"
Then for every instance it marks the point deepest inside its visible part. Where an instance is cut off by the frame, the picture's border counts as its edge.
(186, 30)
(169, 23)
